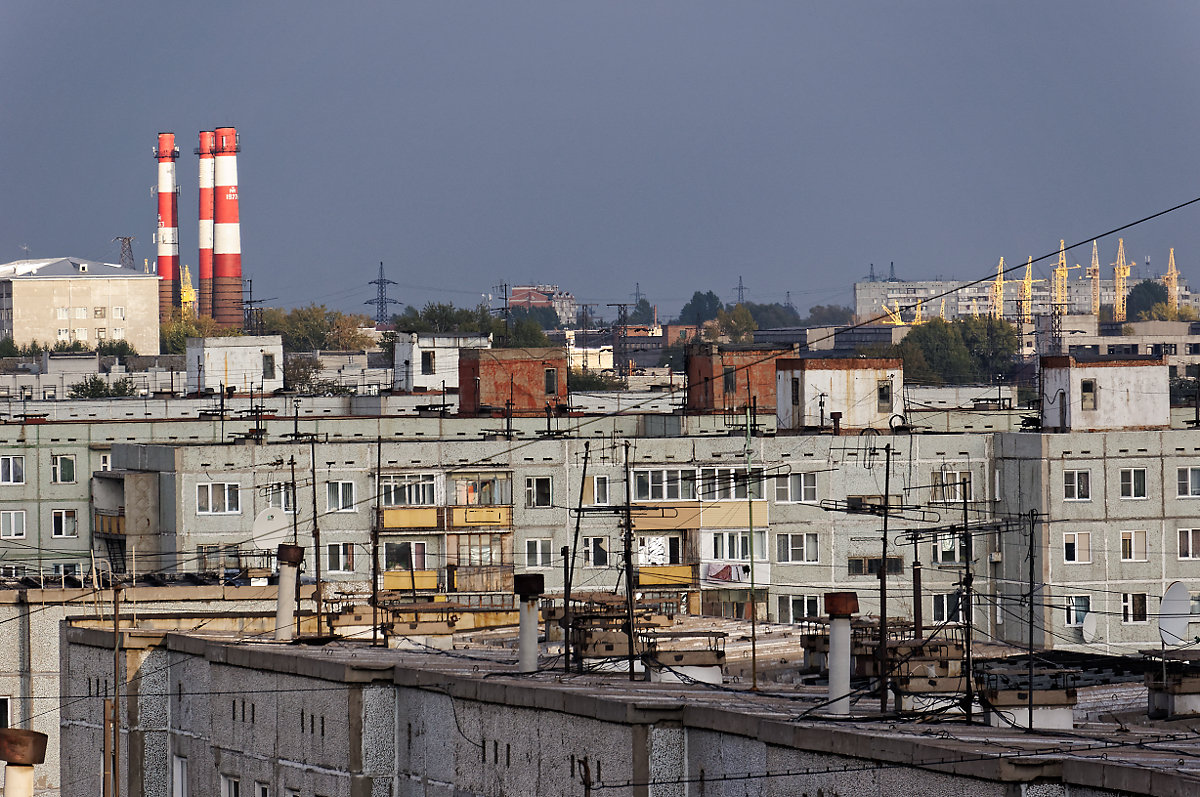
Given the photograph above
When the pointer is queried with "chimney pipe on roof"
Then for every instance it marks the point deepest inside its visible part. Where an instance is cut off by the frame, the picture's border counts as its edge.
(227, 231)
(167, 235)
(290, 557)
(841, 606)
(529, 587)
(22, 750)
(208, 140)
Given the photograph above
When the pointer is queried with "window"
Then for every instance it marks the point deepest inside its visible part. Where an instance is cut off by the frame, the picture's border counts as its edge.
(664, 485)
(1133, 607)
(795, 391)
(1187, 482)
(1189, 543)
(869, 565)
(479, 489)
(537, 491)
(262, 790)
(12, 524)
(798, 608)
(538, 553)
(797, 547)
(217, 498)
(407, 489)
(98, 312)
(796, 487)
(268, 366)
(735, 545)
(279, 496)
(101, 333)
(404, 556)
(726, 484)
(340, 496)
(62, 469)
(62, 521)
(1077, 485)
(884, 395)
(730, 379)
(118, 333)
(66, 569)
(1087, 394)
(64, 313)
(478, 550)
(595, 552)
(64, 334)
(551, 381)
(230, 787)
(949, 548)
(105, 462)
(81, 312)
(119, 312)
(600, 490)
(81, 333)
(12, 470)
(1077, 546)
(948, 486)
(428, 367)
(1133, 546)
(1133, 482)
(179, 781)
(946, 607)
(1077, 608)
(341, 557)
(212, 558)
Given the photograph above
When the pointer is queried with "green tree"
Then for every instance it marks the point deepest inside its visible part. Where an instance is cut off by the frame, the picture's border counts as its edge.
(94, 386)
(773, 316)
(737, 324)
(1142, 297)
(523, 334)
(544, 317)
(700, 308)
(8, 348)
(643, 313)
(115, 348)
(993, 344)
(942, 346)
(314, 327)
(1161, 311)
(173, 334)
(828, 315)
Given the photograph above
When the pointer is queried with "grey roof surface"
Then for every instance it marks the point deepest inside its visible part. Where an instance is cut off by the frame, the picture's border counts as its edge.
(62, 267)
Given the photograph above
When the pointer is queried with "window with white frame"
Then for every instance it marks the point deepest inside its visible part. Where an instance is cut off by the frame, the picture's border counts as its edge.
(407, 489)
(595, 551)
(950, 485)
(730, 484)
(539, 553)
(1077, 485)
(407, 555)
(1133, 607)
(946, 607)
(279, 496)
(62, 469)
(1187, 482)
(179, 776)
(66, 569)
(1189, 544)
(340, 496)
(479, 489)
(538, 492)
(1077, 547)
(735, 545)
(798, 608)
(105, 462)
(1087, 394)
(340, 557)
(670, 484)
(230, 786)
(63, 313)
(262, 789)
(81, 333)
(1077, 608)
(796, 488)
(63, 334)
(1133, 546)
(63, 524)
(12, 469)
(600, 490)
(798, 548)
(118, 333)
(1133, 482)
(119, 312)
(218, 498)
(4, 711)
(12, 524)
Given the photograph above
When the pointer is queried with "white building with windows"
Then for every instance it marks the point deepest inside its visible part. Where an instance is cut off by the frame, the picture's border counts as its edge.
(246, 363)
(428, 361)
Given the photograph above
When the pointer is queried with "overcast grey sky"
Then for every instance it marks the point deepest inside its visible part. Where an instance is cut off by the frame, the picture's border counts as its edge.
(596, 145)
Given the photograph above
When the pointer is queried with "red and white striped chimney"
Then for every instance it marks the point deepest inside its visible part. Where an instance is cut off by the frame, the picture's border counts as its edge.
(167, 236)
(205, 267)
(227, 234)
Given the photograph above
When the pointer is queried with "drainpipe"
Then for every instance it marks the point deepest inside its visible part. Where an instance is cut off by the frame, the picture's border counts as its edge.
(529, 588)
(841, 606)
(22, 750)
(290, 557)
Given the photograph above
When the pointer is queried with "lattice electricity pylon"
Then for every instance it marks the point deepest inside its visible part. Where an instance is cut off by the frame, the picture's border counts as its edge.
(126, 260)
(381, 301)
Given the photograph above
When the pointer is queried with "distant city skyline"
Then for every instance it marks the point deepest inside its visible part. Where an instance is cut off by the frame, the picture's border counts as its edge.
(677, 145)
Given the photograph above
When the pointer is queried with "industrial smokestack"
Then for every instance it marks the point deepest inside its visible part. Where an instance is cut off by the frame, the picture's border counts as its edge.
(205, 267)
(289, 557)
(529, 588)
(227, 233)
(167, 236)
(841, 606)
(21, 750)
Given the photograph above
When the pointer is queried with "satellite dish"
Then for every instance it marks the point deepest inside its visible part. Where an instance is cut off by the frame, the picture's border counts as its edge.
(271, 527)
(1089, 627)
(1174, 613)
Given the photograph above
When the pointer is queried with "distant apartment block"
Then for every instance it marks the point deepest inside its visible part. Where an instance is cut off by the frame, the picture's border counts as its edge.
(561, 302)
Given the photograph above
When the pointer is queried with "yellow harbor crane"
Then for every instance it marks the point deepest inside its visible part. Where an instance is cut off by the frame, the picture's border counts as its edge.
(1025, 294)
(1060, 280)
(996, 294)
(1120, 278)
(974, 307)
(942, 312)
(1171, 282)
(917, 315)
(893, 316)
(1093, 273)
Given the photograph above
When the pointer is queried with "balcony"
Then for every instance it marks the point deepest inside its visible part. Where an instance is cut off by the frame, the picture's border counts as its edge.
(668, 576)
(424, 517)
(465, 517)
(411, 580)
(108, 521)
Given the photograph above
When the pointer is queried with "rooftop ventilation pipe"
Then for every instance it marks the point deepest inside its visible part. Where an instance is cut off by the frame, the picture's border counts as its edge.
(290, 557)
(529, 586)
(841, 606)
(22, 750)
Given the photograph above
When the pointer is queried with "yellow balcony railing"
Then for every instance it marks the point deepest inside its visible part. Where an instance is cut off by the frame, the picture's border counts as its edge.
(681, 576)
(410, 580)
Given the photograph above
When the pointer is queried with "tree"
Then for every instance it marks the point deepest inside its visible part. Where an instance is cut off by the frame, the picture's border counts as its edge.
(1161, 311)
(643, 313)
(115, 348)
(544, 317)
(1142, 297)
(828, 315)
(993, 345)
(8, 348)
(700, 308)
(314, 327)
(773, 316)
(942, 347)
(94, 386)
(173, 334)
(737, 324)
(524, 334)
(299, 372)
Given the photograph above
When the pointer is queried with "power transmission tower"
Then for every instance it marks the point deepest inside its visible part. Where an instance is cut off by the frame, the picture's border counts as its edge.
(126, 260)
(741, 291)
(381, 300)
(637, 293)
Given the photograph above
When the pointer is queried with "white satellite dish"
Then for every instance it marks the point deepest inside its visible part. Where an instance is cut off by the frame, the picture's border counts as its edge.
(1089, 627)
(271, 527)
(1174, 613)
